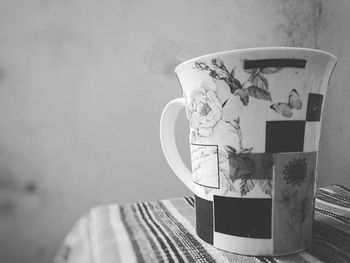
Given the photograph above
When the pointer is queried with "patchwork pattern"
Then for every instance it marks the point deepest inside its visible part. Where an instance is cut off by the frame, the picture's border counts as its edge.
(243, 217)
(256, 124)
(241, 174)
(243, 245)
(314, 107)
(293, 201)
(252, 165)
(285, 136)
(296, 135)
(240, 222)
(204, 219)
(267, 162)
(275, 62)
(312, 136)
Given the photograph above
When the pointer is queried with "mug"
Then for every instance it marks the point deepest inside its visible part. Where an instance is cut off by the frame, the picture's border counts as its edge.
(255, 118)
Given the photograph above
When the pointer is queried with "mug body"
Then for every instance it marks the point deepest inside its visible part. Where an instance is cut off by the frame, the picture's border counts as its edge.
(255, 119)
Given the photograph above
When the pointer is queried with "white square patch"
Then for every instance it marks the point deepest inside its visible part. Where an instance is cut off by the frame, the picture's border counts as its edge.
(312, 136)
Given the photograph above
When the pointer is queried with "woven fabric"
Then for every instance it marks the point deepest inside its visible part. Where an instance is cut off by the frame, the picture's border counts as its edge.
(164, 231)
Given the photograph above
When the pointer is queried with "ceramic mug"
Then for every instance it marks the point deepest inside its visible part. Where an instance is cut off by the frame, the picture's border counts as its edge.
(255, 119)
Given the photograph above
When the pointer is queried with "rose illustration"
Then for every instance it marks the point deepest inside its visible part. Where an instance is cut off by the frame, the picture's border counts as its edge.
(205, 110)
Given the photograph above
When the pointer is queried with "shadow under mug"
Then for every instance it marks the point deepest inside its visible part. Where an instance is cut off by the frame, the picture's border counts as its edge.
(255, 120)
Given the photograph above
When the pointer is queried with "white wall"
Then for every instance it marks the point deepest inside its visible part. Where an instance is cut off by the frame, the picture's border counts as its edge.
(334, 152)
(82, 86)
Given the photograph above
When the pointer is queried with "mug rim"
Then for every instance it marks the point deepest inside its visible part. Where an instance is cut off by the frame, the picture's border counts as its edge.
(232, 51)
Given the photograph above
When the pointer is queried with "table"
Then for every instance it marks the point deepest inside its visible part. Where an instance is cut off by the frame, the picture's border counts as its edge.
(163, 231)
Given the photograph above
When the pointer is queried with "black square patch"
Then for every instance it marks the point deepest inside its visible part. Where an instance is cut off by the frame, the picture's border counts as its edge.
(314, 107)
(204, 219)
(284, 136)
(243, 217)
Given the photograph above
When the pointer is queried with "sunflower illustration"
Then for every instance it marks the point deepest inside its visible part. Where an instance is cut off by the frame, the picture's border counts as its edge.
(295, 172)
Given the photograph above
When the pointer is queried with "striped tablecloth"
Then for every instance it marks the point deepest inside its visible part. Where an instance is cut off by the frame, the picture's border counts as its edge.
(163, 231)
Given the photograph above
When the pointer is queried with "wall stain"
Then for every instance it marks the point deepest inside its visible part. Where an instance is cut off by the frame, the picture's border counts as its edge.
(41, 252)
(30, 188)
(7, 207)
(7, 180)
(15, 191)
(161, 58)
(8, 187)
(301, 18)
(317, 21)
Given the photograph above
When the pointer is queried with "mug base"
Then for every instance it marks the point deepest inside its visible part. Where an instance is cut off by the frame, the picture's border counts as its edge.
(266, 254)
(265, 250)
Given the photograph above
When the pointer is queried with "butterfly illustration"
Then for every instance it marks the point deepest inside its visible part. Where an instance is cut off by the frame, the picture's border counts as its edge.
(294, 102)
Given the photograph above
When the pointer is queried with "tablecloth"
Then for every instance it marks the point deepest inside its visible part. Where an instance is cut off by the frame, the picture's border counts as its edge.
(164, 231)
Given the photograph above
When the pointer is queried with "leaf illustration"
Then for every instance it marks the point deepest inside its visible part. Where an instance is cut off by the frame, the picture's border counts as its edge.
(233, 174)
(233, 72)
(237, 121)
(233, 83)
(214, 74)
(251, 71)
(246, 186)
(218, 63)
(227, 182)
(243, 95)
(270, 70)
(241, 166)
(259, 93)
(265, 186)
(247, 150)
(231, 151)
(259, 80)
(222, 74)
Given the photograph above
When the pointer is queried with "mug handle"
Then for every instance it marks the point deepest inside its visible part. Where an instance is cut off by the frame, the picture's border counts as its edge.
(167, 139)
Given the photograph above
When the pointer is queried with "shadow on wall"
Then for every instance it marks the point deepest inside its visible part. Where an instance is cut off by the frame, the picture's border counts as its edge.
(17, 197)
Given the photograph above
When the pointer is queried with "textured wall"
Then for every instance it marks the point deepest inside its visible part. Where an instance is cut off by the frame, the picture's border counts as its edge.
(82, 86)
(334, 36)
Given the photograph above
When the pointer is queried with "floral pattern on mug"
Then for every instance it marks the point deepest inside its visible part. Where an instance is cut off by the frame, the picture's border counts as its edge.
(298, 203)
(256, 85)
(295, 172)
(205, 110)
(248, 171)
